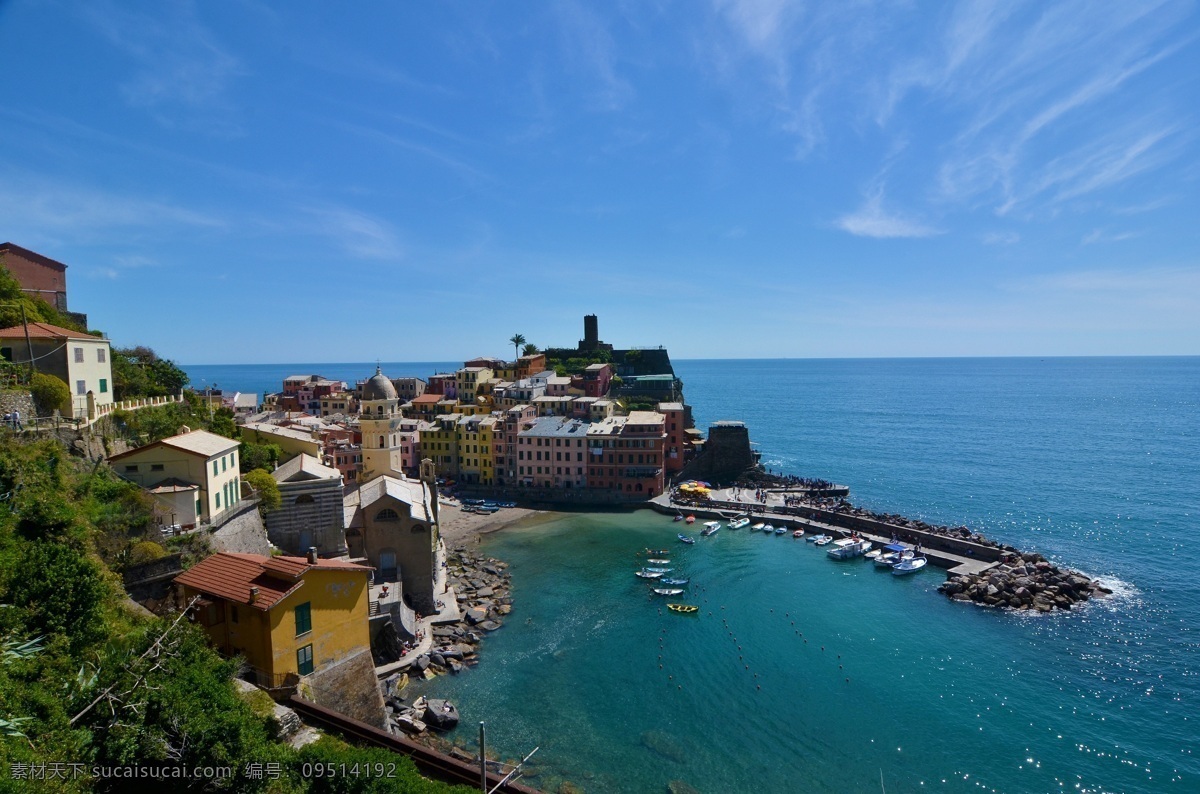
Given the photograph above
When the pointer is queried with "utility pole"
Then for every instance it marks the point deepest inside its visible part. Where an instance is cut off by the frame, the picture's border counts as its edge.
(482, 760)
(28, 341)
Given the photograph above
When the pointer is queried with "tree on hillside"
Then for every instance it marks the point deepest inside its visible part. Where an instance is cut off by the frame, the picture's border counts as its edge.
(140, 372)
(530, 350)
(266, 488)
(517, 340)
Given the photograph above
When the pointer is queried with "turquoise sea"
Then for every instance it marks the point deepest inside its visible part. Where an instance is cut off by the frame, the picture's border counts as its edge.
(805, 675)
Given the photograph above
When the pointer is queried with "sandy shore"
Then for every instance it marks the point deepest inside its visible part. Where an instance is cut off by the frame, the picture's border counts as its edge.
(461, 529)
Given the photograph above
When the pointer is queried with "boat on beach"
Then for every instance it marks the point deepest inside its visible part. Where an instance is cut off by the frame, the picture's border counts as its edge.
(685, 539)
(910, 565)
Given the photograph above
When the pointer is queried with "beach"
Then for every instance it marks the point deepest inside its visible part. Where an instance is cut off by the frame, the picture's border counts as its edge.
(461, 530)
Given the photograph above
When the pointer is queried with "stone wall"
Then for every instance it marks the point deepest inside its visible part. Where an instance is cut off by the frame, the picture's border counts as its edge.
(242, 534)
(22, 401)
(348, 687)
(725, 457)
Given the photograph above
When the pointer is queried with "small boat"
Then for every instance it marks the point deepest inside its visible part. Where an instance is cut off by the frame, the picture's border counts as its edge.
(848, 548)
(690, 520)
(911, 565)
(674, 582)
(891, 554)
(739, 522)
(823, 540)
(678, 517)
(799, 533)
(658, 561)
(780, 530)
(667, 590)
(713, 525)
(648, 574)
(769, 529)
(811, 538)
(683, 609)
(757, 526)
(685, 539)
(657, 552)
(872, 554)
(657, 570)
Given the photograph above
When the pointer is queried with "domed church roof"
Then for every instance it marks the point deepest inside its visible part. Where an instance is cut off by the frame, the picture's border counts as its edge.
(379, 388)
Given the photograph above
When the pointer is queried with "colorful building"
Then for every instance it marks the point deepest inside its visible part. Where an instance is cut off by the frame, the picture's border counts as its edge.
(551, 453)
(82, 361)
(677, 441)
(288, 616)
(625, 453)
(193, 476)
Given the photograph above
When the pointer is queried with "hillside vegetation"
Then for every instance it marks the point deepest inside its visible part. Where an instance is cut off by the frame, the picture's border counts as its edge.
(86, 679)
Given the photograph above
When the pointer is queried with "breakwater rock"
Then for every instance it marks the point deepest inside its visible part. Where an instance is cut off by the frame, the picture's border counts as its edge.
(1024, 581)
(481, 585)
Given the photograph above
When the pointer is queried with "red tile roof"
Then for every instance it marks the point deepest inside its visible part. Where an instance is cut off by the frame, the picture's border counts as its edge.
(429, 398)
(230, 576)
(44, 331)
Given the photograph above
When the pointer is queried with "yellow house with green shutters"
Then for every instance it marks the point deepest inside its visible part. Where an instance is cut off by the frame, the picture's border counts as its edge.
(288, 616)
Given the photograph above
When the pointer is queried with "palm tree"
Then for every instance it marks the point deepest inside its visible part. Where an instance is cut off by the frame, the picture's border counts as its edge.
(530, 350)
(517, 340)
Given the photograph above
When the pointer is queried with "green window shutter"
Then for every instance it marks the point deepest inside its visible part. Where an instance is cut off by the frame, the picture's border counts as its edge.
(104, 386)
(303, 618)
(304, 660)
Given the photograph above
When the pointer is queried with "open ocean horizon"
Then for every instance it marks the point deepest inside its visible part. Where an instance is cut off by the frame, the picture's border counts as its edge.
(804, 675)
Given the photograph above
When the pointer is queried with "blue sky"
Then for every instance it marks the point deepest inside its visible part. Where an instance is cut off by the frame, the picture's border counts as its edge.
(247, 182)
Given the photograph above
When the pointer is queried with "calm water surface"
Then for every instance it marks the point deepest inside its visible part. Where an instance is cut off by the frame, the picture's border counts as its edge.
(802, 674)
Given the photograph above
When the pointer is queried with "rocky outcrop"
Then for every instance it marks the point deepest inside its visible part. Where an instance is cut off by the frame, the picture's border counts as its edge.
(1024, 581)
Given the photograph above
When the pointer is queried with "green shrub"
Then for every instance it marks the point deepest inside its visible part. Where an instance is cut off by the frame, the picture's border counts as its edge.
(50, 393)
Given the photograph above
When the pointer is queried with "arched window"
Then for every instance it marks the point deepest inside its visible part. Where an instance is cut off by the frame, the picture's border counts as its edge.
(381, 444)
(417, 528)
(304, 499)
(387, 514)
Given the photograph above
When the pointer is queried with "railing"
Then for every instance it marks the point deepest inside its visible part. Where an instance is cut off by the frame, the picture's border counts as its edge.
(134, 404)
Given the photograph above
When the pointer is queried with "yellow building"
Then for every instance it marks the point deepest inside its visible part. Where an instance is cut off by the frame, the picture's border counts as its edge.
(194, 476)
(475, 452)
(291, 440)
(439, 443)
(468, 379)
(288, 616)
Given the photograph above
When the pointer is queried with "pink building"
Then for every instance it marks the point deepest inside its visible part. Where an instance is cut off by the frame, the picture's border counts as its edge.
(551, 453)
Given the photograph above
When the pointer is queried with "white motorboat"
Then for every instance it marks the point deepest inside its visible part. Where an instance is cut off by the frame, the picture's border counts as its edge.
(823, 540)
(668, 591)
(848, 548)
(649, 574)
(757, 527)
(769, 529)
(891, 554)
(710, 528)
(739, 522)
(911, 565)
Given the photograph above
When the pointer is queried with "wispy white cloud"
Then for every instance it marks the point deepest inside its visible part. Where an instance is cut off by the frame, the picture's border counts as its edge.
(1101, 236)
(872, 220)
(358, 233)
(586, 41)
(40, 205)
(181, 73)
(1001, 238)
